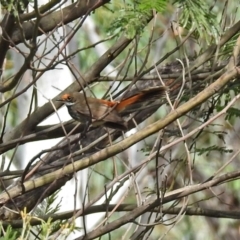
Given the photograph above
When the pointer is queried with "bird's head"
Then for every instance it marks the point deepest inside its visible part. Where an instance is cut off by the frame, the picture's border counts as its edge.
(68, 99)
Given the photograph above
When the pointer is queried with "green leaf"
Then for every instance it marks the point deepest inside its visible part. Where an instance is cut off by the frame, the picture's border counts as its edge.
(196, 15)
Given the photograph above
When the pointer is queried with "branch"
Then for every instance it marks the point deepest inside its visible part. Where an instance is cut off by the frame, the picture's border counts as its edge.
(29, 124)
(7, 29)
(125, 144)
(57, 19)
(190, 211)
(153, 203)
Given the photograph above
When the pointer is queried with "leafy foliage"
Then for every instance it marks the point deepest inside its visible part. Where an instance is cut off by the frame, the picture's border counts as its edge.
(10, 234)
(133, 18)
(169, 159)
(148, 5)
(210, 149)
(49, 207)
(198, 16)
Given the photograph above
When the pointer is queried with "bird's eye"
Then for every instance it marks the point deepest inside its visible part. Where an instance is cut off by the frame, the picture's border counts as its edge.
(69, 98)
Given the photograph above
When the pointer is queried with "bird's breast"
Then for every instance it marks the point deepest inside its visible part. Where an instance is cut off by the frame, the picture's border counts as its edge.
(77, 115)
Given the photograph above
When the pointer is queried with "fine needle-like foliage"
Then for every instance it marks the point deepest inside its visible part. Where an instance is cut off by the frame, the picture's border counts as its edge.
(173, 173)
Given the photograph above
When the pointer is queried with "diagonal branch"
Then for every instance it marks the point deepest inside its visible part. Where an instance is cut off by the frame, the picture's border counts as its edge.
(153, 203)
(102, 155)
(41, 113)
(57, 19)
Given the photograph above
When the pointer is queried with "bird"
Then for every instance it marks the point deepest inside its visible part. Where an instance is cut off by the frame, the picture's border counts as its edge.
(89, 110)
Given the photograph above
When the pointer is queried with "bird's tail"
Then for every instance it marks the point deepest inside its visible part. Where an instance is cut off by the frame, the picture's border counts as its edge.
(141, 100)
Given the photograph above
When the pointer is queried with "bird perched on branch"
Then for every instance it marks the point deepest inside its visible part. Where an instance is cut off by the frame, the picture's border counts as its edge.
(108, 113)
